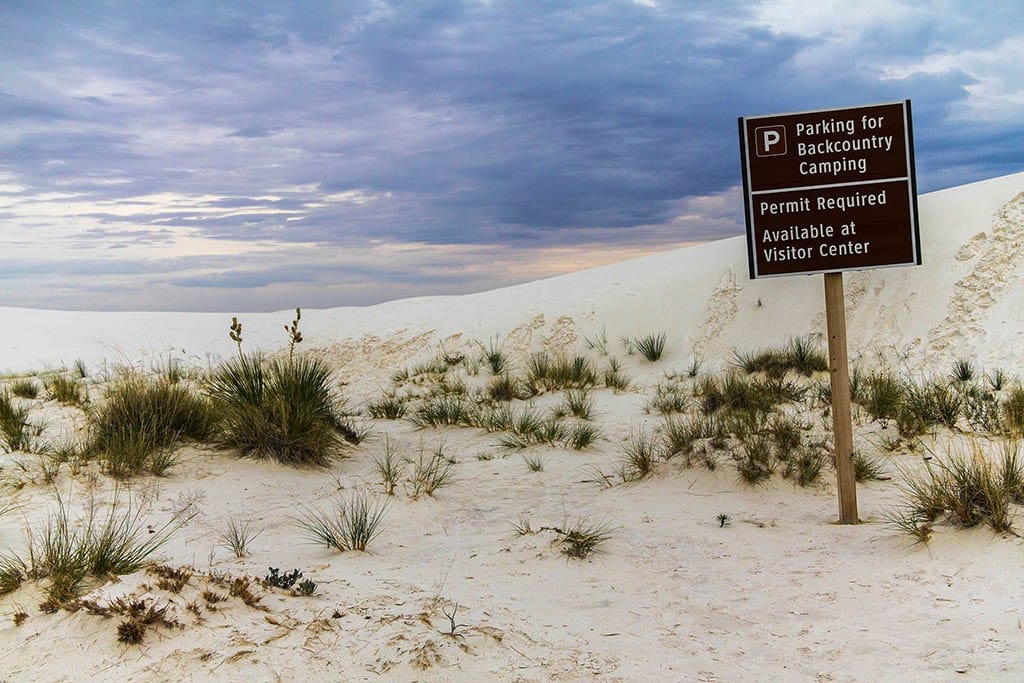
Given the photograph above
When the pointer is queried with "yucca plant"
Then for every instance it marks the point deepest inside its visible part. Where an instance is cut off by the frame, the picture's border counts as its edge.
(281, 410)
(651, 346)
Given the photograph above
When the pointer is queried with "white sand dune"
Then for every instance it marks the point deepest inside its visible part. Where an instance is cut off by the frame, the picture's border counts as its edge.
(782, 593)
(960, 302)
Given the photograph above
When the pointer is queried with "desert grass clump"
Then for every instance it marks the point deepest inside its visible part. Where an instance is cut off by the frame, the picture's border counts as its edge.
(927, 404)
(429, 472)
(785, 433)
(613, 377)
(799, 355)
(443, 410)
(139, 421)
(883, 397)
(584, 538)
(15, 431)
(966, 487)
(351, 524)
(981, 409)
(581, 435)
(66, 390)
(755, 461)
(639, 455)
(506, 387)
(997, 379)
(495, 357)
(534, 462)
(560, 371)
(389, 407)
(281, 410)
(651, 346)
(1013, 410)
(24, 388)
(963, 371)
(68, 553)
(804, 466)
(737, 393)
(237, 535)
(389, 467)
(866, 468)
(669, 397)
(680, 435)
(528, 429)
(578, 403)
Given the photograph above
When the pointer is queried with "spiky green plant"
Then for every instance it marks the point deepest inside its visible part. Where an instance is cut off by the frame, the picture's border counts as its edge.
(237, 535)
(429, 472)
(651, 346)
(613, 376)
(495, 357)
(68, 553)
(389, 407)
(581, 435)
(281, 410)
(15, 431)
(579, 403)
(25, 388)
(963, 371)
(139, 421)
(66, 390)
(352, 522)
(389, 467)
(534, 462)
(639, 455)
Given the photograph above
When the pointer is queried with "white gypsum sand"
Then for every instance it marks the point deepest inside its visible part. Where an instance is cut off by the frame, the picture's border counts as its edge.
(780, 592)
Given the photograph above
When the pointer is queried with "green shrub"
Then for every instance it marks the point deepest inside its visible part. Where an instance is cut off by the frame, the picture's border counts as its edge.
(505, 387)
(755, 462)
(651, 346)
(613, 376)
(799, 355)
(281, 410)
(14, 427)
(639, 454)
(139, 421)
(1013, 410)
(884, 395)
(65, 390)
(444, 410)
(390, 407)
(25, 388)
(560, 371)
(67, 553)
(966, 487)
(351, 524)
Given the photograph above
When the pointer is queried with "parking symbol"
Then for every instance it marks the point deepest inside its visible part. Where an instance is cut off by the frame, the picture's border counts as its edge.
(770, 141)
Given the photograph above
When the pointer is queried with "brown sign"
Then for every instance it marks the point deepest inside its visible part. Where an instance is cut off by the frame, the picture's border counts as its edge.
(831, 190)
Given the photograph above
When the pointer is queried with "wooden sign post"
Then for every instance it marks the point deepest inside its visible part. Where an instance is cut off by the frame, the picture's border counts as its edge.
(824, 192)
(842, 424)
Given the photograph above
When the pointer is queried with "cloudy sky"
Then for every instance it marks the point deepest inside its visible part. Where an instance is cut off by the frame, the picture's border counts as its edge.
(258, 156)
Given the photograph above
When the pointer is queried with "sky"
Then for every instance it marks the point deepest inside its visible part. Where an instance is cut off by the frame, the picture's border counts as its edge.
(248, 156)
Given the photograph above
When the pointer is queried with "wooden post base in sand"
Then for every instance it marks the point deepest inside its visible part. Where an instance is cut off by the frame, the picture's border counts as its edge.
(842, 425)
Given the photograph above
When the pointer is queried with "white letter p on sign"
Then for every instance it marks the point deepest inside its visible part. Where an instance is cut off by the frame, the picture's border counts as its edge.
(770, 141)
